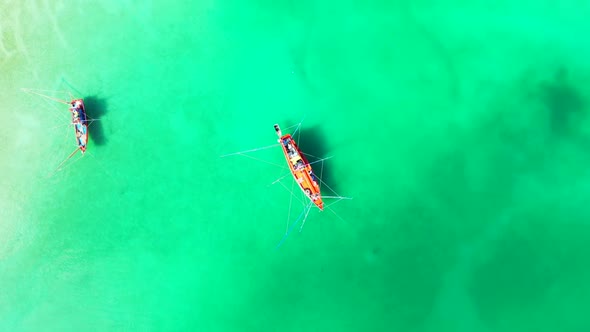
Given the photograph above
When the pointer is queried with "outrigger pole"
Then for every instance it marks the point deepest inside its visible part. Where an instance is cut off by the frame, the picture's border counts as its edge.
(303, 215)
(63, 162)
(248, 151)
(46, 96)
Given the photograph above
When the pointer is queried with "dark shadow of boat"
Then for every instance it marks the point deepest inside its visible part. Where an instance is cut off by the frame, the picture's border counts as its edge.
(96, 108)
(565, 104)
(312, 141)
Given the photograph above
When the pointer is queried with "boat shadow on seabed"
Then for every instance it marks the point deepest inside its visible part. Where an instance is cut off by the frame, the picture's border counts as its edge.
(313, 142)
(96, 108)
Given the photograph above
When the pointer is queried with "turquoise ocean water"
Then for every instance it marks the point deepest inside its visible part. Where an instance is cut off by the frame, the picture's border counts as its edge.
(460, 130)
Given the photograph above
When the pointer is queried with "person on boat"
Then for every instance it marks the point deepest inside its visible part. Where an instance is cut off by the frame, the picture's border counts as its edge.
(75, 109)
(299, 165)
(80, 128)
(291, 150)
(79, 137)
(313, 177)
(80, 132)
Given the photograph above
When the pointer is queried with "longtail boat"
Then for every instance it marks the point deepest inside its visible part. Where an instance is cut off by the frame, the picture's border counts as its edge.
(302, 172)
(300, 168)
(80, 122)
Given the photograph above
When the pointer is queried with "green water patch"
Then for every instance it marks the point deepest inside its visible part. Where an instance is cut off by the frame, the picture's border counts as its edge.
(517, 275)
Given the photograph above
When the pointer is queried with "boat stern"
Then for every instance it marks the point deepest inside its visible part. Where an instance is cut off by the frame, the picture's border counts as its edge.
(320, 204)
(278, 130)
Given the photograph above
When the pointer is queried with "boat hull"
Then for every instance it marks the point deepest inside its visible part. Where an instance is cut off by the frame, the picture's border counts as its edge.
(80, 122)
(301, 169)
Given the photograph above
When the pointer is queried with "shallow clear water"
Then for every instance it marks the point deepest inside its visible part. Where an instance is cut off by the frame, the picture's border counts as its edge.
(459, 129)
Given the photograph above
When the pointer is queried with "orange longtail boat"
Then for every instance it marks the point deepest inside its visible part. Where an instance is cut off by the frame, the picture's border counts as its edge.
(300, 168)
